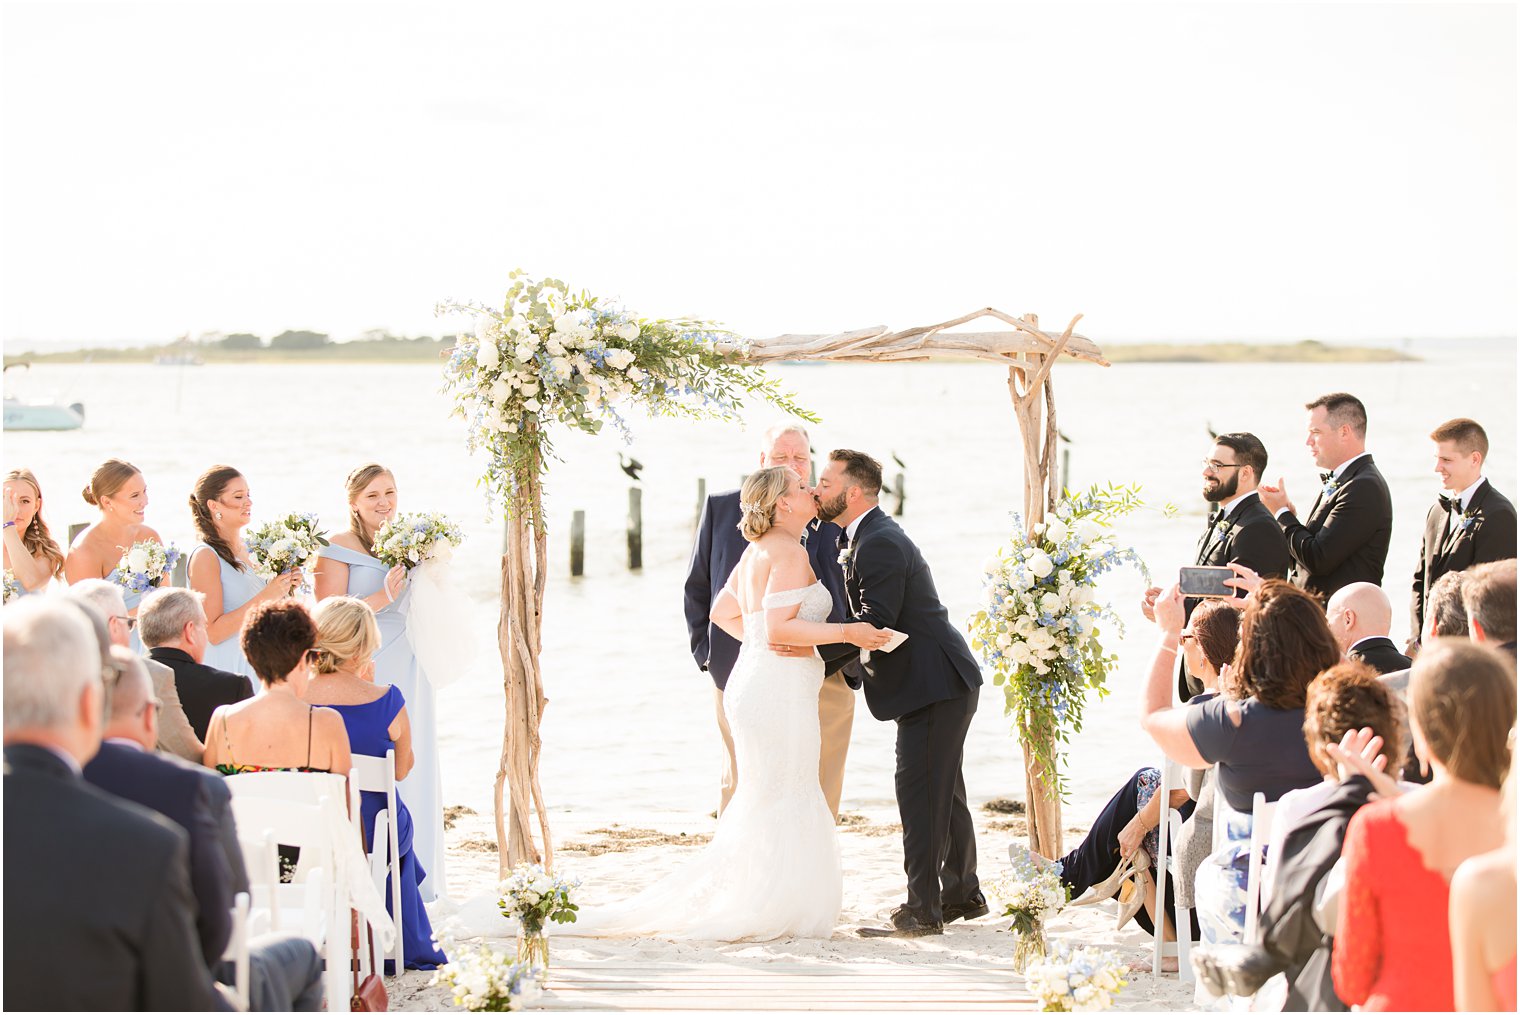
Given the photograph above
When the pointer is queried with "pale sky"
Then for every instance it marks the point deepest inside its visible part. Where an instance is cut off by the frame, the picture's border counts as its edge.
(1172, 171)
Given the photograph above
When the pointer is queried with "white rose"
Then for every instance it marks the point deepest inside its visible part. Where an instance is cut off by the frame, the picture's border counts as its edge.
(530, 388)
(1088, 530)
(1025, 626)
(561, 367)
(1057, 531)
(554, 347)
(531, 405)
(635, 374)
(1082, 595)
(628, 331)
(524, 352)
(137, 558)
(1020, 654)
(1050, 602)
(1004, 640)
(1041, 639)
(1040, 564)
(992, 565)
(542, 884)
(487, 357)
(518, 325)
(501, 391)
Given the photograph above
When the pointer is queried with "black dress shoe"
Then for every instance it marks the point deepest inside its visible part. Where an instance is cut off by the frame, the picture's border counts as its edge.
(905, 923)
(973, 908)
(1234, 969)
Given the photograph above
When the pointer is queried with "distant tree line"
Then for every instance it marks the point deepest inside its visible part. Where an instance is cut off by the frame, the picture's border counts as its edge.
(289, 340)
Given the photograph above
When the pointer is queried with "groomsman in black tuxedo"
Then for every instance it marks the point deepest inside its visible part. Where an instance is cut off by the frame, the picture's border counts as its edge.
(1345, 537)
(1240, 530)
(1471, 523)
(928, 686)
(718, 548)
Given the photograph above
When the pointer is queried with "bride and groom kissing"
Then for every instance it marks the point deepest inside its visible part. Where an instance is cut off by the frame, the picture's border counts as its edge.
(791, 600)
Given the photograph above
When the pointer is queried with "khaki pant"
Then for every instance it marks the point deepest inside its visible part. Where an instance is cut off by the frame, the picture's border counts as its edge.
(836, 716)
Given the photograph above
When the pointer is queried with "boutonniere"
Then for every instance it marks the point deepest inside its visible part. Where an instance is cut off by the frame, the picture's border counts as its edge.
(1222, 528)
(846, 555)
(1331, 485)
(1469, 519)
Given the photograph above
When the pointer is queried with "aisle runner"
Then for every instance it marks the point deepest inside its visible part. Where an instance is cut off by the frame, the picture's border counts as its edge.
(722, 986)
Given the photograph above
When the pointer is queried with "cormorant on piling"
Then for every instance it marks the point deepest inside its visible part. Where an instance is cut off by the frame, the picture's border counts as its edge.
(900, 463)
(630, 466)
(1210, 428)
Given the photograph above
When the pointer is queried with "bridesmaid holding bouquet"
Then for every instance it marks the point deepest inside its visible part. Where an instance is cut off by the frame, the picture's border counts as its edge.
(222, 570)
(32, 555)
(119, 490)
(349, 567)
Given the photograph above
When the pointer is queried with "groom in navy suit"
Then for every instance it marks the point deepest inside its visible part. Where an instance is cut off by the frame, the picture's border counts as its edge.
(718, 548)
(929, 686)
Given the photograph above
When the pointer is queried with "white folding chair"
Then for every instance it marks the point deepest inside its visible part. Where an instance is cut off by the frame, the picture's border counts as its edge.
(1182, 920)
(261, 857)
(1261, 830)
(378, 775)
(295, 808)
(237, 949)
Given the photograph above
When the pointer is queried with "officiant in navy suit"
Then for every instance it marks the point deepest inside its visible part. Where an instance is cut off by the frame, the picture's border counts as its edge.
(1345, 537)
(1470, 523)
(928, 685)
(718, 548)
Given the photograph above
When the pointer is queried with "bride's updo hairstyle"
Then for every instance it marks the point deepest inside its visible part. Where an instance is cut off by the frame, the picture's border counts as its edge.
(346, 633)
(758, 497)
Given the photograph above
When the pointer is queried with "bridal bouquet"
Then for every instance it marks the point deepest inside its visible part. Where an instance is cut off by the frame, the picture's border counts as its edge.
(413, 539)
(532, 896)
(1081, 979)
(144, 566)
(1038, 630)
(548, 355)
(1029, 893)
(12, 586)
(486, 980)
(284, 544)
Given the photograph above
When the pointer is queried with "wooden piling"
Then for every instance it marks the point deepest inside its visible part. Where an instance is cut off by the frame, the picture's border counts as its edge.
(901, 494)
(75, 530)
(635, 528)
(1065, 469)
(696, 519)
(577, 544)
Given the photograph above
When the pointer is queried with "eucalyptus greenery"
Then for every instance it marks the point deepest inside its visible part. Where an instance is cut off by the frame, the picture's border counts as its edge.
(550, 356)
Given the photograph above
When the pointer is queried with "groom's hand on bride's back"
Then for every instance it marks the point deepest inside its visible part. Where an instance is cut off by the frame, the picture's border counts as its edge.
(792, 651)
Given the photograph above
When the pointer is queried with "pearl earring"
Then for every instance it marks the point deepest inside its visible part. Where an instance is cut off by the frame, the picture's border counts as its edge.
(218, 516)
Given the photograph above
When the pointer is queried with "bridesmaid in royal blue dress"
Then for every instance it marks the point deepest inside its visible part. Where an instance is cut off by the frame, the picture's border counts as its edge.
(222, 570)
(119, 490)
(377, 722)
(347, 567)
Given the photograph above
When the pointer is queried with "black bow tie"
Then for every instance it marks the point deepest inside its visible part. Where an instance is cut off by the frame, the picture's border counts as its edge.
(1325, 477)
(844, 540)
(1449, 504)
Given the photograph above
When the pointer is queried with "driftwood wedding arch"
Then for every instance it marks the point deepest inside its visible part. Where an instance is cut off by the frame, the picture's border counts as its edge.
(1027, 352)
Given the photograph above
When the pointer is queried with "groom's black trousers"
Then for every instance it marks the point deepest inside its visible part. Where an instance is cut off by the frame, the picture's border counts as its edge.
(939, 843)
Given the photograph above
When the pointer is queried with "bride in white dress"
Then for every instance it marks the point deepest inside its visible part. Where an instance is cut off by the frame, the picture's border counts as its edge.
(772, 869)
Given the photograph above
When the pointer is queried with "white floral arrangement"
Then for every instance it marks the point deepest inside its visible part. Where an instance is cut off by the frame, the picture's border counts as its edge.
(1038, 630)
(12, 586)
(1030, 892)
(144, 566)
(532, 896)
(284, 544)
(411, 539)
(488, 980)
(549, 356)
(1080, 979)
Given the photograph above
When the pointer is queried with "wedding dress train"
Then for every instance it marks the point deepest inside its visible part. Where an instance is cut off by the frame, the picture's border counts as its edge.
(772, 869)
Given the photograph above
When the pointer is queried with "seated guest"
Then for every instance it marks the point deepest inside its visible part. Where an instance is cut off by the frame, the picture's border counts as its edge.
(174, 730)
(1360, 617)
(277, 731)
(1483, 918)
(1445, 617)
(347, 639)
(1253, 731)
(1127, 825)
(285, 972)
(98, 910)
(1347, 705)
(1488, 595)
(1392, 948)
(172, 624)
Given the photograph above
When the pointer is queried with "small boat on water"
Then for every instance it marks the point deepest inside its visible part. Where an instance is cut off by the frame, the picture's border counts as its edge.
(40, 413)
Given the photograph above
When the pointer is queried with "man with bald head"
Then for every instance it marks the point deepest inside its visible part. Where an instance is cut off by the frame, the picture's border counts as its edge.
(1360, 617)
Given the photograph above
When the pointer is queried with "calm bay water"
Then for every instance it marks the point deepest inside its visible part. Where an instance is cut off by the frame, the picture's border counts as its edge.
(629, 734)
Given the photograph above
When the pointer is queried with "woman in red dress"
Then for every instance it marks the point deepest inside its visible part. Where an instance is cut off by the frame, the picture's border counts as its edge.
(1392, 945)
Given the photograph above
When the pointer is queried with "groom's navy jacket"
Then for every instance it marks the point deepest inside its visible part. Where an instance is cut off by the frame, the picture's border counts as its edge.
(714, 557)
(890, 586)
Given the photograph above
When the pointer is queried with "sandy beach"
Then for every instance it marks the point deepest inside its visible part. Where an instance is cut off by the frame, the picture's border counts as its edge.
(614, 861)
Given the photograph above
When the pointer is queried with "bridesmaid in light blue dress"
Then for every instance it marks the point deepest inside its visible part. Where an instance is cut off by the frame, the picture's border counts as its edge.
(221, 569)
(347, 568)
(32, 555)
(119, 490)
